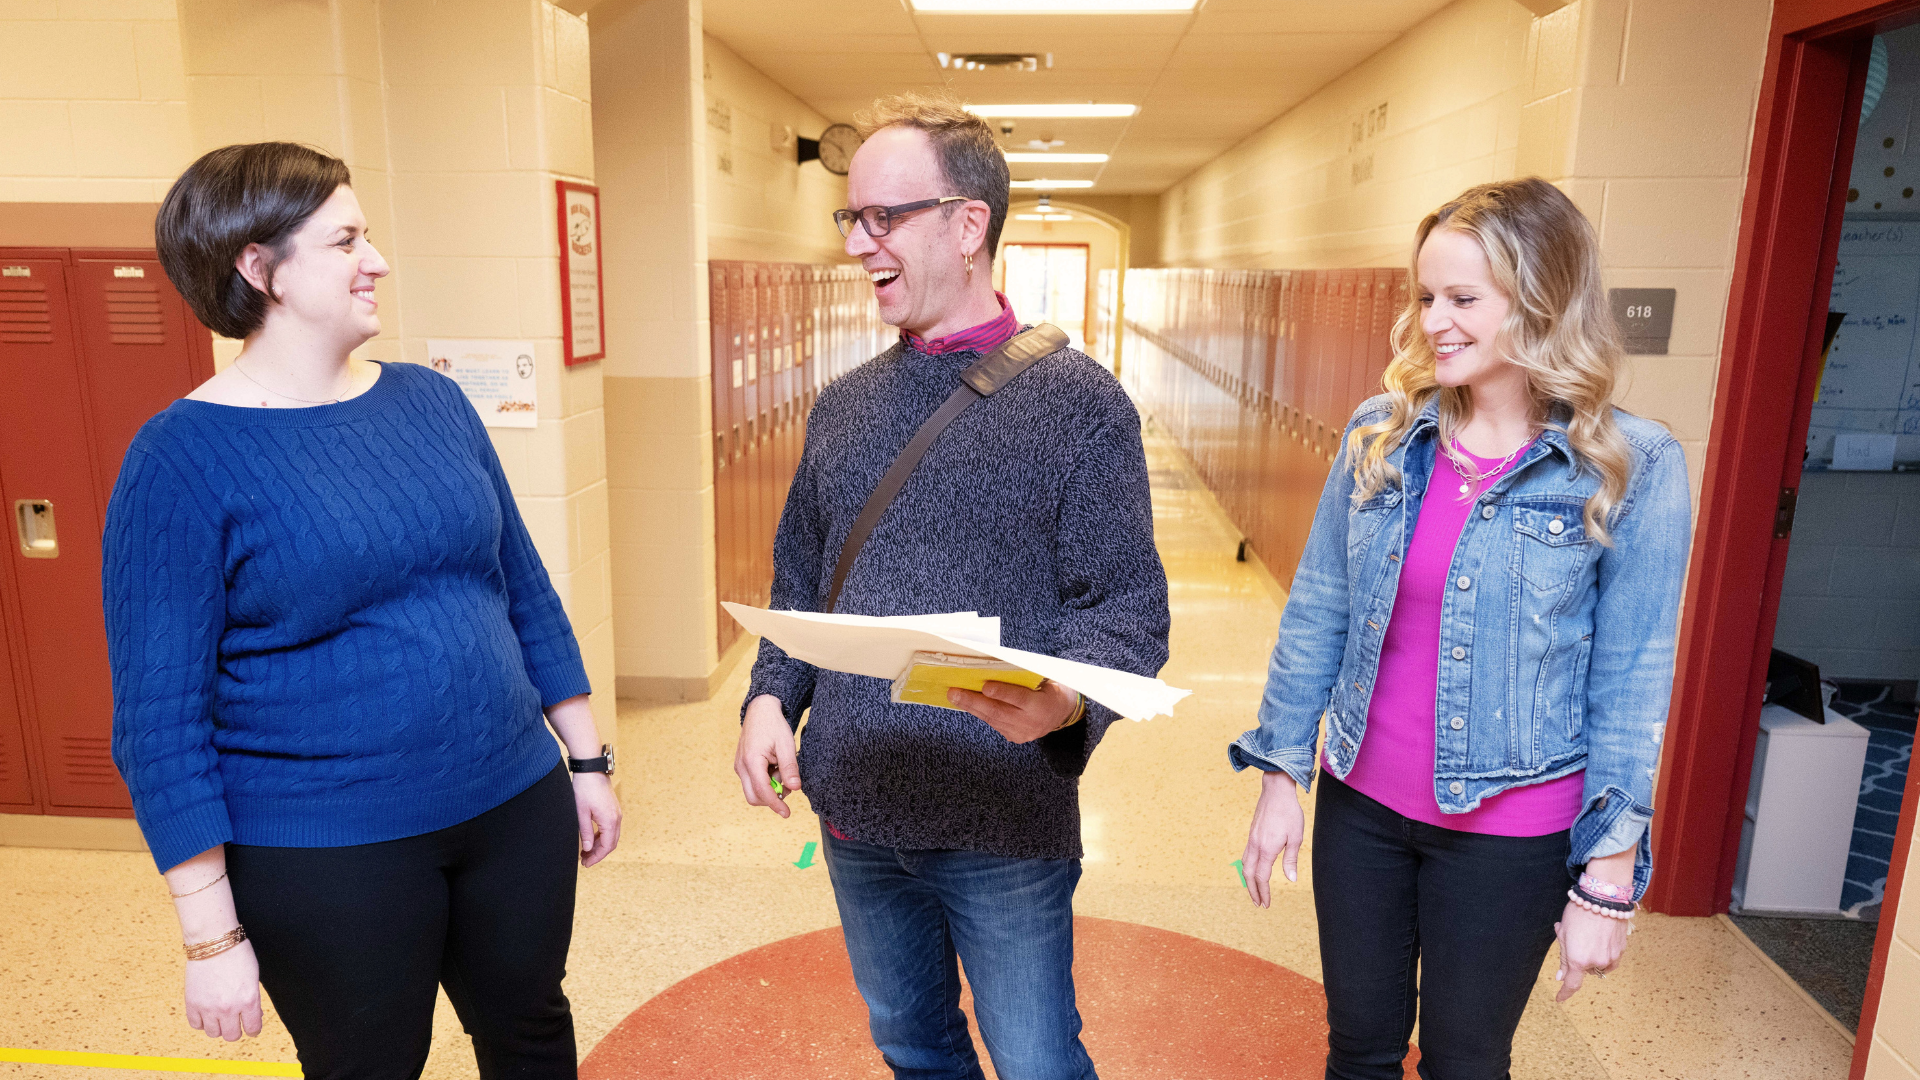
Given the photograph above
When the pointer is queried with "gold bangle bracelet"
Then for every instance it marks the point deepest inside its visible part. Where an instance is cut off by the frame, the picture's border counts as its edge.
(203, 888)
(203, 950)
(1079, 712)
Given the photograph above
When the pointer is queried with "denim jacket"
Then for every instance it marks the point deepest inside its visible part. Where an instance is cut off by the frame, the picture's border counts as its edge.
(1556, 653)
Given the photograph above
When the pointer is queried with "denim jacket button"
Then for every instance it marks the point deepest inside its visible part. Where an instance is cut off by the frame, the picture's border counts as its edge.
(1556, 526)
(1486, 512)
(1456, 723)
(1459, 653)
(1463, 581)
(1456, 787)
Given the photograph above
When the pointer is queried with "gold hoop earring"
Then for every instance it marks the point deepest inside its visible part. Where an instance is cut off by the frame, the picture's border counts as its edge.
(969, 264)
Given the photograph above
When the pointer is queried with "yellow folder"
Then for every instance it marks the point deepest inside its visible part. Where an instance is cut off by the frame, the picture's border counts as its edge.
(931, 674)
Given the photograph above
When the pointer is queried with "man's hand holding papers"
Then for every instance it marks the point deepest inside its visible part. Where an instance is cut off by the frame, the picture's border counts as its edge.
(883, 647)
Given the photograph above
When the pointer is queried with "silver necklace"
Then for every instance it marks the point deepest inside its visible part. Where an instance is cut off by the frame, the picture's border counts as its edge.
(1474, 477)
(289, 397)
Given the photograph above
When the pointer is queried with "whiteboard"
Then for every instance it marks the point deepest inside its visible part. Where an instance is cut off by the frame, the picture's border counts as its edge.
(1872, 377)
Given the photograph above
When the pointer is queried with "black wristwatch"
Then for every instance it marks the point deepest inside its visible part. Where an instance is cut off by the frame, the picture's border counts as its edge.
(601, 764)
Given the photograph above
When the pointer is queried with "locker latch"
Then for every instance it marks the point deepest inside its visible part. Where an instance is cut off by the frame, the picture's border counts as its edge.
(37, 537)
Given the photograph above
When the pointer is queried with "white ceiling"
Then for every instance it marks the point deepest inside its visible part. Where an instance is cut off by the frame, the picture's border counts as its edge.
(1204, 81)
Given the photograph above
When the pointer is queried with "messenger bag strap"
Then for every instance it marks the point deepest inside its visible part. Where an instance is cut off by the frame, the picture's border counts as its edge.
(981, 379)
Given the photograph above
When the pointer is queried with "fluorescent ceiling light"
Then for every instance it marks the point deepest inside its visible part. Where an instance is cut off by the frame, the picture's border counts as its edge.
(1024, 158)
(1052, 183)
(1019, 112)
(1043, 217)
(1055, 7)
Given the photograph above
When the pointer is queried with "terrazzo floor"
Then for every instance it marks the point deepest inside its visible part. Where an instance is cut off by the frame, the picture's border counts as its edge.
(702, 949)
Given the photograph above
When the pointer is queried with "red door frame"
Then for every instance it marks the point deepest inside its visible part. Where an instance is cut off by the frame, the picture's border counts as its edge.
(1789, 239)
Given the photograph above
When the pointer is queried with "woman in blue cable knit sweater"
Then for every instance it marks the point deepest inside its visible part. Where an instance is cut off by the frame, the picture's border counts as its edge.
(333, 645)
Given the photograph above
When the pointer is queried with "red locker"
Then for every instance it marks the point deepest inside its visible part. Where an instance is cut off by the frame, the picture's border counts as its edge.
(49, 481)
(745, 393)
(720, 366)
(140, 349)
(1360, 363)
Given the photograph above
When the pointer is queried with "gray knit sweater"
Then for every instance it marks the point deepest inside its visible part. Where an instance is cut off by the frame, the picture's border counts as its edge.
(1033, 505)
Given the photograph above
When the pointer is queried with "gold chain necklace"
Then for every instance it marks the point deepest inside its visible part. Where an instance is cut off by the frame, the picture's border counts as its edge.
(289, 397)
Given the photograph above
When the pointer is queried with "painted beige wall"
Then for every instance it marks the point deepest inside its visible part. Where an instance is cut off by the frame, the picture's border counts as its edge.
(258, 72)
(1140, 213)
(761, 203)
(93, 101)
(1585, 96)
(455, 131)
(650, 132)
(1288, 196)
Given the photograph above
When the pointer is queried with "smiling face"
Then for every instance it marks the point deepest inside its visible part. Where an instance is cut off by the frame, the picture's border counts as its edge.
(1463, 311)
(918, 269)
(324, 286)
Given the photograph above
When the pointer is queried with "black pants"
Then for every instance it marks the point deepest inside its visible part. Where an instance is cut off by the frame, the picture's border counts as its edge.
(1415, 919)
(352, 941)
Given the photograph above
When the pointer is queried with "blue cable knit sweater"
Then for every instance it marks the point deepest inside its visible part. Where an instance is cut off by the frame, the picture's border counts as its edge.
(1033, 505)
(328, 625)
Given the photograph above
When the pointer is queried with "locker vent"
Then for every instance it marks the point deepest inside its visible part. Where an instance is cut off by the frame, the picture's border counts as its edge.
(24, 315)
(89, 760)
(133, 313)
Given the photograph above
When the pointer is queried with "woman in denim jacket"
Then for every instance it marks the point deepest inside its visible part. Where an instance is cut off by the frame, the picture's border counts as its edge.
(1484, 615)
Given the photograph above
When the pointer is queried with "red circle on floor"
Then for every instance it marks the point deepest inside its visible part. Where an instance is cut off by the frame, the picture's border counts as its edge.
(1155, 1004)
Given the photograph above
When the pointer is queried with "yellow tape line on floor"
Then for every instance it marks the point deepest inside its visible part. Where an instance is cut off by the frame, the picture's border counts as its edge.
(152, 1064)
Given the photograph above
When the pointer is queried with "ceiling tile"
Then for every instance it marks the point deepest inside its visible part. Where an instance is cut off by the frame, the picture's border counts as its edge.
(1204, 82)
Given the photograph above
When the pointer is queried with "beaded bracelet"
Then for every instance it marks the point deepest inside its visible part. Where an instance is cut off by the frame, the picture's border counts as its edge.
(1602, 901)
(205, 950)
(1595, 887)
(1589, 905)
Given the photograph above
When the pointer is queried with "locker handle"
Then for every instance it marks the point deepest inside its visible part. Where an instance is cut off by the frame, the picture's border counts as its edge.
(37, 537)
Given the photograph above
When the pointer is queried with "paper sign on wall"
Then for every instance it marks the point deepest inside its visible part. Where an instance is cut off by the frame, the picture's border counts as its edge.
(1863, 452)
(497, 377)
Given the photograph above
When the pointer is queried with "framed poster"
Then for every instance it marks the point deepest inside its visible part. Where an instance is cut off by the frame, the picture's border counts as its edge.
(497, 377)
(583, 315)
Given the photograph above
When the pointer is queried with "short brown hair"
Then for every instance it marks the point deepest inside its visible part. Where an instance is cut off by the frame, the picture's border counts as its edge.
(970, 160)
(252, 193)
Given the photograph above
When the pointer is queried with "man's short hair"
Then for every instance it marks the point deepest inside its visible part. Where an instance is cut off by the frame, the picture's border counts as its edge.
(963, 143)
(254, 193)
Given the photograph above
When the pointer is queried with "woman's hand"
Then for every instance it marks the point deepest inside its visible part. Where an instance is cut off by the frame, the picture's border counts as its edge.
(593, 798)
(1278, 827)
(223, 994)
(599, 811)
(1589, 944)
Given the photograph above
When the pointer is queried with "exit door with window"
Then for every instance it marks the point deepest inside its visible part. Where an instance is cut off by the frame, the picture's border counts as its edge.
(1048, 283)
(92, 343)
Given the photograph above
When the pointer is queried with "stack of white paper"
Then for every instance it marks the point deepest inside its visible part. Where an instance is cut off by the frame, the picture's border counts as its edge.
(883, 647)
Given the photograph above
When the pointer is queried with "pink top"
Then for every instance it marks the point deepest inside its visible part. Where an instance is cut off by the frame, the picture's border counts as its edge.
(1395, 763)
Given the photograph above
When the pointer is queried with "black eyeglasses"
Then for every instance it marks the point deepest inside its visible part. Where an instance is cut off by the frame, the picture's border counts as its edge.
(878, 220)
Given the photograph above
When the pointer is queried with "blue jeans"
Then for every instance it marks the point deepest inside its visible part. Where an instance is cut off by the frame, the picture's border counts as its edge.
(911, 917)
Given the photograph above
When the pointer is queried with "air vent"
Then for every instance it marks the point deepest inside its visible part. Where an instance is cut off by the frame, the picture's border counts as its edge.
(25, 318)
(89, 760)
(133, 313)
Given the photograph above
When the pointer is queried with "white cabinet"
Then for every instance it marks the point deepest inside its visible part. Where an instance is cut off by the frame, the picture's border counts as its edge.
(1800, 805)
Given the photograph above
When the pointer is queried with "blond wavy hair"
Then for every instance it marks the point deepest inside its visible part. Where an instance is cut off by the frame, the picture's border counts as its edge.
(1546, 261)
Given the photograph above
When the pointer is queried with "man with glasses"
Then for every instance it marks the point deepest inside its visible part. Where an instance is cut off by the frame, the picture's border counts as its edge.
(953, 835)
